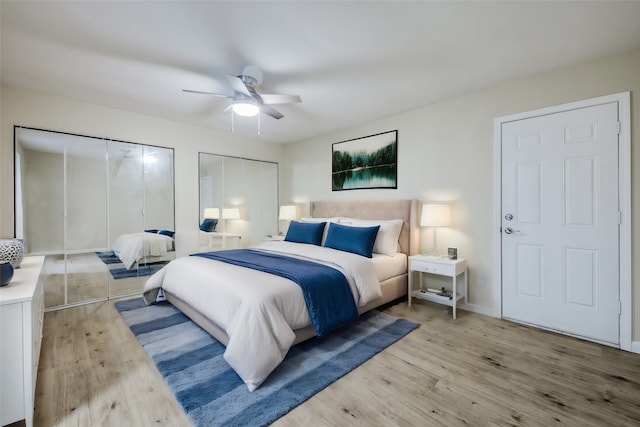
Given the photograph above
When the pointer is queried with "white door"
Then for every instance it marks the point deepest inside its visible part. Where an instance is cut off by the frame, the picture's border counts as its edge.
(560, 222)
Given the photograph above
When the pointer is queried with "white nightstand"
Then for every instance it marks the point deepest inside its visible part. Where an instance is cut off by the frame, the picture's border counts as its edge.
(440, 267)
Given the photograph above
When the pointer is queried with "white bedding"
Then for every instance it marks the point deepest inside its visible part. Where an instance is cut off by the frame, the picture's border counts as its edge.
(131, 248)
(258, 311)
(389, 266)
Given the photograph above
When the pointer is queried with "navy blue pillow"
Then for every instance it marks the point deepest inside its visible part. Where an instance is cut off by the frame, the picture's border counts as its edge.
(155, 230)
(305, 232)
(357, 240)
(166, 232)
(208, 225)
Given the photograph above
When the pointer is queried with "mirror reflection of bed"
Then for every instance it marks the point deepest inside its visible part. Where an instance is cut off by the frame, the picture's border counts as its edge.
(136, 250)
(76, 196)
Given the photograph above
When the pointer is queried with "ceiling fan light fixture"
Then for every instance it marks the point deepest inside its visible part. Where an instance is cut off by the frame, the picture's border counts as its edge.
(245, 108)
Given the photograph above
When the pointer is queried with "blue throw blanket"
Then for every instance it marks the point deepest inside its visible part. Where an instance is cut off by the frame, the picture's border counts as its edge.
(325, 289)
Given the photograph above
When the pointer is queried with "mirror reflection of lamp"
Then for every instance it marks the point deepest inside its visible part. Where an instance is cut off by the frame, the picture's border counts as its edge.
(230, 213)
(435, 215)
(212, 213)
(287, 213)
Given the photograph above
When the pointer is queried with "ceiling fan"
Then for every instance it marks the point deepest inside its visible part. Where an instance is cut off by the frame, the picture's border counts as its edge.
(246, 101)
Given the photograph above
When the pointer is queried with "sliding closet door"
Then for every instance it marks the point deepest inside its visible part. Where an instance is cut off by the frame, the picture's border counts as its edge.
(126, 204)
(235, 198)
(261, 188)
(269, 201)
(78, 195)
(248, 186)
(42, 168)
(85, 219)
(64, 196)
(158, 188)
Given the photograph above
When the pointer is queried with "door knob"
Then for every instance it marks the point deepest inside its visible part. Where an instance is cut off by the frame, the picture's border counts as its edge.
(508, 230)
(508, 217)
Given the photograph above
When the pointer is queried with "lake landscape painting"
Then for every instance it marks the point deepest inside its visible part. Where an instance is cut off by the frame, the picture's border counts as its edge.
(367, 162)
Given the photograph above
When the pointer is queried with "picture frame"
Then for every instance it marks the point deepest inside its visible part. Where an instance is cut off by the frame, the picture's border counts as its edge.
(365, 163)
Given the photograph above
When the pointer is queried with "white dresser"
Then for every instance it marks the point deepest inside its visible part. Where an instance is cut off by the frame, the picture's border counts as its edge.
(21, 315)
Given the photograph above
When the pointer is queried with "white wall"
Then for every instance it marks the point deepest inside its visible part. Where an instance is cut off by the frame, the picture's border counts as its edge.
(445, 153)
(39, 110)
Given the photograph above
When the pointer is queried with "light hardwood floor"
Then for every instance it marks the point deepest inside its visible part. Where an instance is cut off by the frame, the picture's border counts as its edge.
(473, 371)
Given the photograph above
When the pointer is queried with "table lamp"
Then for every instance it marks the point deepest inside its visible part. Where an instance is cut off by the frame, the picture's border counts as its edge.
(435, 215)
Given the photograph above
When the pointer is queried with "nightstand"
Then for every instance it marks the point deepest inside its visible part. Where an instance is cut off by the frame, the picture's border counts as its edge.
(439, 267)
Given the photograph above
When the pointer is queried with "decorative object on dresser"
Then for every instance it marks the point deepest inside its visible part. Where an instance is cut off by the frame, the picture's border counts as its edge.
(6, 273)
(367, 162)
(435, 215)
(438, 267)
(12, 250)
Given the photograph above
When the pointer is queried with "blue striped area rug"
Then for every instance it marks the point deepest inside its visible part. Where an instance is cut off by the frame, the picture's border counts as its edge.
(212, 394)
(119, 271)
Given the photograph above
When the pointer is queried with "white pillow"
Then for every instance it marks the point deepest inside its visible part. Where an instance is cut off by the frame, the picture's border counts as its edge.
(326, 227)
(388, 234)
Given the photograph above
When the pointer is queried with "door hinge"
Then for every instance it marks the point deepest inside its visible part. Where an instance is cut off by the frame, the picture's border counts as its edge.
(619, 307)
(619, 218)
(619, 128)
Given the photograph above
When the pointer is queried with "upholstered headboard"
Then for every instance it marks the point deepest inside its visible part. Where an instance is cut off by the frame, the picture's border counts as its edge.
(407, 210)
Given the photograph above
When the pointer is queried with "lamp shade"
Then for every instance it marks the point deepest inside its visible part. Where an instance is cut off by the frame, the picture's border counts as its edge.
(434, 215)
(231, 213)
(212, 213)
(287, 212)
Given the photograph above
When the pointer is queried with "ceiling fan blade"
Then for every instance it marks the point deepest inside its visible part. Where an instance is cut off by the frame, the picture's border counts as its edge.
(274, 98)
(199, 92)
(238, 85)
(271, 112)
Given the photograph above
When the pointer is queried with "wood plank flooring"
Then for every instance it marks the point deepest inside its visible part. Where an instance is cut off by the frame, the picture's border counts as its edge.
(473, 371)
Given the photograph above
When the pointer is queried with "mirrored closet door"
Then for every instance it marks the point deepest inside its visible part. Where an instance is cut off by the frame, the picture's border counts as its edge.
(85, 204)
(242, 194)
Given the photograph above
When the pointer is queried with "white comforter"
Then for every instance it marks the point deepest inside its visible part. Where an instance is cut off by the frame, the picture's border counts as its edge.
(257, 310)
(131, 248)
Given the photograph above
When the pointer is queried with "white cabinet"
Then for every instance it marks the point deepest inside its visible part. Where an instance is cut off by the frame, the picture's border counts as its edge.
(439, 267)
(21, 315)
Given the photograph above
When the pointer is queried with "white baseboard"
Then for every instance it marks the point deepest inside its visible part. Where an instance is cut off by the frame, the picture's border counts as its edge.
(480, 309)
(635, 347)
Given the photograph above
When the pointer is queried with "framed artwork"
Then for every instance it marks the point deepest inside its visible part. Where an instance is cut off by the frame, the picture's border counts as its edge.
(367, 162)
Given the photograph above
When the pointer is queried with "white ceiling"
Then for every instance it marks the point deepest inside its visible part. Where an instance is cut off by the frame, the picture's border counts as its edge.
(351, 61)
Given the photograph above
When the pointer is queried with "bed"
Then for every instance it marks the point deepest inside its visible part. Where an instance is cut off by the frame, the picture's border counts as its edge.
(144, 248)
(259, 316)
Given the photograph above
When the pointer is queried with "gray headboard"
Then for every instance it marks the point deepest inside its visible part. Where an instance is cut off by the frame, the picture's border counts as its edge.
(407, 210)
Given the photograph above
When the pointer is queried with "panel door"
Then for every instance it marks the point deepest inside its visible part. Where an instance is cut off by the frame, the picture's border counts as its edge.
(560, 223)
